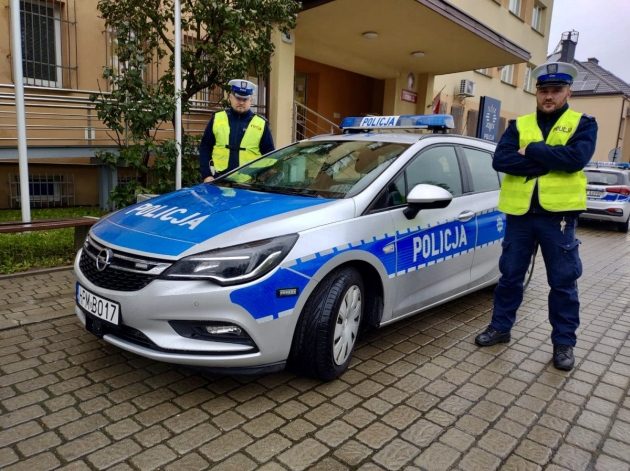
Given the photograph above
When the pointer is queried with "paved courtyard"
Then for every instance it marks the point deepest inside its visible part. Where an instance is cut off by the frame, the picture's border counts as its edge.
(419, 394)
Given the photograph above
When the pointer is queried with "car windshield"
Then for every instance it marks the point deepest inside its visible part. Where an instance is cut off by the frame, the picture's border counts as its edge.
(597, 177)
(327, 169)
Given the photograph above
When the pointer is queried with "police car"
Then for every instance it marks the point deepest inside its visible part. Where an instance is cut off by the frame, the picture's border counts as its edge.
(608, 193)
(285, 260)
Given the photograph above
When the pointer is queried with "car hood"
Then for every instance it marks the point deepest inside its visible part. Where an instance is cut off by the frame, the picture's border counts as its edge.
(172, 224)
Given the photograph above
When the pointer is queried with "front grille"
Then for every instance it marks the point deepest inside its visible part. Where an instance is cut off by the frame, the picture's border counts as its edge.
(123, 272)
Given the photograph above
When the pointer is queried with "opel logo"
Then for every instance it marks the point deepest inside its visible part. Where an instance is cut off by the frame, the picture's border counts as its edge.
(104, 259)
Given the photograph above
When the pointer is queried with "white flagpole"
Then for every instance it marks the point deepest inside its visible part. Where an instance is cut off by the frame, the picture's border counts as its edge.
(18, 89)
(178, 87)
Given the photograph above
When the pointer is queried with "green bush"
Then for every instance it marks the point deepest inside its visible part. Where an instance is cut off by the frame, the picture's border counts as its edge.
(40, 249)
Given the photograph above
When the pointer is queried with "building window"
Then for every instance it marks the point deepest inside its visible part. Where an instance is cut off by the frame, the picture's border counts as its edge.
(538, 17)
(41, 43)
(515, 7)
(507, 74)
(485, 71)
(529, 85)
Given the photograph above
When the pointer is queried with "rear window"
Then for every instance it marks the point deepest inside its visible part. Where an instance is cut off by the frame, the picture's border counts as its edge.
(598, 177)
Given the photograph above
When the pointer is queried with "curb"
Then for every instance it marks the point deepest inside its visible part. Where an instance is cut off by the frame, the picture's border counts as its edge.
(40, 271)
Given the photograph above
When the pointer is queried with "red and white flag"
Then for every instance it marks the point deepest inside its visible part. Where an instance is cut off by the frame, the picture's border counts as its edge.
(437, 102)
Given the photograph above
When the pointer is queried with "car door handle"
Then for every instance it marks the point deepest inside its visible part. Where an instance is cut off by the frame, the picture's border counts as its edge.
(466, 216)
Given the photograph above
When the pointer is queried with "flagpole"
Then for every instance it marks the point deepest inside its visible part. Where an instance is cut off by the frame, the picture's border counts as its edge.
(18, 90)
(178, 98)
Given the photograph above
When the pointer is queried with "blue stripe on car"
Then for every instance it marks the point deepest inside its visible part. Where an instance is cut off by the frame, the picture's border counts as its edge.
(446, 241)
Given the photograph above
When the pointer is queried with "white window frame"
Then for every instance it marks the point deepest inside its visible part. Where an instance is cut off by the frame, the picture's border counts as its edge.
(537, 17)
(529, 79)
(56, 7)
(507, 74)
(515, 7)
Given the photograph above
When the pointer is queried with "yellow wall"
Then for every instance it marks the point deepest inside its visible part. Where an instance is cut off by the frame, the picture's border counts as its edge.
(607, 110)
(494, 14)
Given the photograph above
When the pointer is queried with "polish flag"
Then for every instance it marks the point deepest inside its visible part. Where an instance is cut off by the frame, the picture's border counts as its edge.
(437, 102)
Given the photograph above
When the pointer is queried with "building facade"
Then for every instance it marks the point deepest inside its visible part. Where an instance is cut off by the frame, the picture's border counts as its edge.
(345, 57)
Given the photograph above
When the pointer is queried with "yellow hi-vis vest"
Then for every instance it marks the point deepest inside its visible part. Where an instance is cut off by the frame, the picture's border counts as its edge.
(250, 144)
(557, 191)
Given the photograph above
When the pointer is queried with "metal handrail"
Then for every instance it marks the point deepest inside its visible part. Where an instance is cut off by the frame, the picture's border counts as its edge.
(308, 122)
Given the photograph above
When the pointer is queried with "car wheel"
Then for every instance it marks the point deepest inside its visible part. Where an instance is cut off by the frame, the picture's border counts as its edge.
(329, 325)
(623, 226)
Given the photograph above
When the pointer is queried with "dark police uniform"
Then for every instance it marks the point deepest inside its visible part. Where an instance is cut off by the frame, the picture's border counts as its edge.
(238, 125)
(553, 231)
(542, 193)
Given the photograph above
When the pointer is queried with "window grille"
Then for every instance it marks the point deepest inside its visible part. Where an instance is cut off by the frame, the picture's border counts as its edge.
(45, 190)
(150, 71)
(49, 52)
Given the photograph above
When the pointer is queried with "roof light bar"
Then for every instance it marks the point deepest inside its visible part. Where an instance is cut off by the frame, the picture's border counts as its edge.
(410, 121)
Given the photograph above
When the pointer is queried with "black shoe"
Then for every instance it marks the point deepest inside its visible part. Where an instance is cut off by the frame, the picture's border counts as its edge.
(491, 336)
(563, 358)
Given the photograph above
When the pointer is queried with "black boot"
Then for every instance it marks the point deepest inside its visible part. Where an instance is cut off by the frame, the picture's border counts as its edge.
(563, 358)
(491, 336)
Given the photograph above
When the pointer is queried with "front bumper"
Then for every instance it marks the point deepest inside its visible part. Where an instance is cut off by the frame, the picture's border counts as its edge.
(145, 330)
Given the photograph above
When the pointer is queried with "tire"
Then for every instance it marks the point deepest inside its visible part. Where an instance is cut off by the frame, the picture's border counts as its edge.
(328, 327)
(623, 226)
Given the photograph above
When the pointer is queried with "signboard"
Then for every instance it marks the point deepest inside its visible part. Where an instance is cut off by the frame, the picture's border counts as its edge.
(408, 95)
(488, 120)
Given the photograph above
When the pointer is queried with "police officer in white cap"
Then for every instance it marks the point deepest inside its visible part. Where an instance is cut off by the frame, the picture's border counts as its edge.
(542, 155)
(235, 136)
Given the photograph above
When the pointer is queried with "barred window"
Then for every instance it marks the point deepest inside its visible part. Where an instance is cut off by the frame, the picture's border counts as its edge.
(46, 60)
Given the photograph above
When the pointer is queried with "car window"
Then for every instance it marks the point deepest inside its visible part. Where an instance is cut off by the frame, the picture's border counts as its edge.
(331, 169)
(484, 177)
(597, 177)
(436, 166)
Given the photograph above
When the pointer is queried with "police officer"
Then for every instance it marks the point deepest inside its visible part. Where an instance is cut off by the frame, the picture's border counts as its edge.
(544, 190)
(235, 136)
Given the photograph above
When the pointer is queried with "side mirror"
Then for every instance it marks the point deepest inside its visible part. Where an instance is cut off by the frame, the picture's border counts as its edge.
(423, 196)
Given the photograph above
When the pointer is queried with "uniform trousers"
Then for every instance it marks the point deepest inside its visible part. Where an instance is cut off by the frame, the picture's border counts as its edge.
(555, 235)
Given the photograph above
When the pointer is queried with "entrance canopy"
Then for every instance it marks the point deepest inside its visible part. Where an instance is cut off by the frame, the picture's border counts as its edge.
(380, 38)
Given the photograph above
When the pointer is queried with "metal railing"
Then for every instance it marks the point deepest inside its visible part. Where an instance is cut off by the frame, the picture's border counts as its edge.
(68, 118)
(309, 123)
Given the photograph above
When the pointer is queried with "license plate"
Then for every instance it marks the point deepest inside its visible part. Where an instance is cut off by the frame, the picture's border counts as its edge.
(104, 309)
(594, 193)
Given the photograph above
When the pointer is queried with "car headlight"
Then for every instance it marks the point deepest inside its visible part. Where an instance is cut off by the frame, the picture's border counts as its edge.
(234, 265)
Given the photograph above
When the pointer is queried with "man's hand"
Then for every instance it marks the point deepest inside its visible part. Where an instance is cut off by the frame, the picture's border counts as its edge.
(522, 150)
(208, 179)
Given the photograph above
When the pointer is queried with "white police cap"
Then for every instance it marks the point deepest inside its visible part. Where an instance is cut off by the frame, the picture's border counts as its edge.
(555, 73)
(242, 88)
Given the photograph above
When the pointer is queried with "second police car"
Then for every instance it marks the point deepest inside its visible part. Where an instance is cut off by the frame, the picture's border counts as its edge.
(608, 193)
(285, 260)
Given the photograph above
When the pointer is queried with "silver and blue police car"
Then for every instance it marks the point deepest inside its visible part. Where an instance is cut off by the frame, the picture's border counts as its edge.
(608, 193)
(286, 260)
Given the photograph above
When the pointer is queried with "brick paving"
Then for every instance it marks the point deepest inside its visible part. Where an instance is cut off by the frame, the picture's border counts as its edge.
(419, 394)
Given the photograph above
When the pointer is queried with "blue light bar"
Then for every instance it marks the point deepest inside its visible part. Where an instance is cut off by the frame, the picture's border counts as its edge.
(408, 121)
(598, 164)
